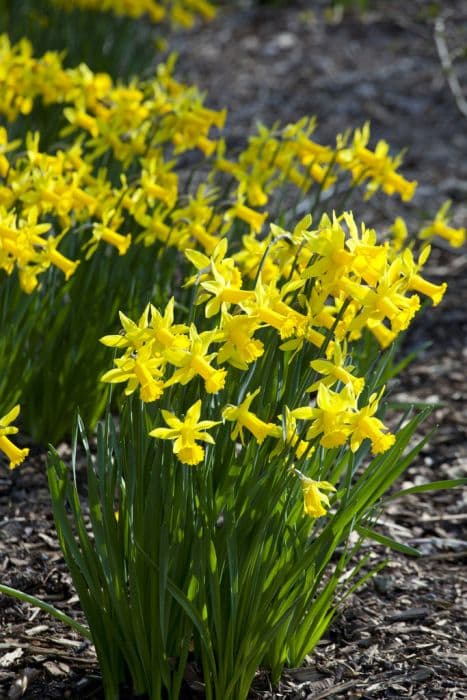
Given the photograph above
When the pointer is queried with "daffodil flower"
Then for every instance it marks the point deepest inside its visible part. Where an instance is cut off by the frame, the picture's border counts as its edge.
(244, 418)
(186, 434)
(366, 425)
(313, 496)
(223, 293)
(14, 454)
(440, 227)
(141, 370)
(253, 218)
(105, 233)
(195, 361)
(239, 347)
(331, 417)
(415, 281)
(335, 371)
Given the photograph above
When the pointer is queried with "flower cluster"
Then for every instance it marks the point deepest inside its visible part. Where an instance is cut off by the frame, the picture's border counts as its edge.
(289, 155)
(313, 290)
(117, 180)
(178, 12)
(68, 191)
(131, 120)
(143, 129)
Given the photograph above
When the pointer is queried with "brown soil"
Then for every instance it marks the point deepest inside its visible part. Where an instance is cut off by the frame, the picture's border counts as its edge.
(403, 635)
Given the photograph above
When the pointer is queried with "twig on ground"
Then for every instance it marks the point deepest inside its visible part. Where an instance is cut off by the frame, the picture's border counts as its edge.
(447, 65)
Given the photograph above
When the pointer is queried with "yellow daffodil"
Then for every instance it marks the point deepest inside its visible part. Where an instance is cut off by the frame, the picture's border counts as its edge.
(224, 266)
(165, 334)
(440, 227)
(223, 294)
(267, 306)
(141, 370)
(330, 417)
(64, 264)
(239, 348)
(244, 418)
(194, 360)
(14, 454)
(365, 425)
(376, 166)
(158, 182)
(413, 280)
(186, 433)
(313, 496)
(105, 233)
(253, 218)
(134, 335)
(335, 371)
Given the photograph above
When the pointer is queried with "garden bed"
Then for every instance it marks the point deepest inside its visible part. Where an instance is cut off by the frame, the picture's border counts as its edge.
(404, 634)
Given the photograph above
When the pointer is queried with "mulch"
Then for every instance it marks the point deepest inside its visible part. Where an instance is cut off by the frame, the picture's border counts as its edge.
(404, 634)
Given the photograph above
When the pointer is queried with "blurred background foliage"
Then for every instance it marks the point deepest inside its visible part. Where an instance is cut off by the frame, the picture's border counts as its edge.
(121, 46)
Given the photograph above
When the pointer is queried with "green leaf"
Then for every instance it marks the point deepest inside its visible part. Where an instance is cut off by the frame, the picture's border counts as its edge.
(371, 534)
(190, 609)
(212, 557)
(431, 486)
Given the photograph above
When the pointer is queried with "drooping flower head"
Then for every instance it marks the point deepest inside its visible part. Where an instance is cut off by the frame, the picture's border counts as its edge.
(313, 496)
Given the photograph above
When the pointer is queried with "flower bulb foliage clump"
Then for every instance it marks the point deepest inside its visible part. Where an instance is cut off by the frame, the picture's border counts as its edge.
(250, 461)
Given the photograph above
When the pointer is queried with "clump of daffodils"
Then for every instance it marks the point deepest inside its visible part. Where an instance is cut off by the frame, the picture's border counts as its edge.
(297, 309)
(47, 199)
(116, 184)
(50, 199)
